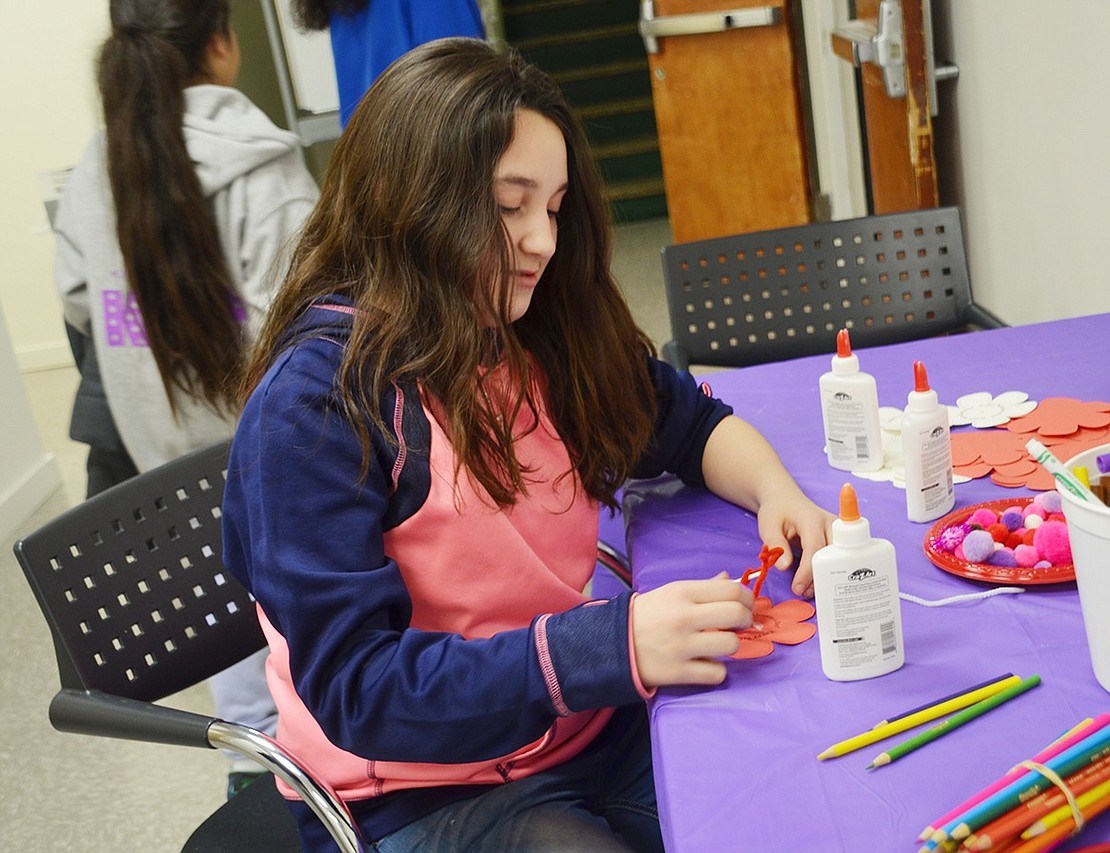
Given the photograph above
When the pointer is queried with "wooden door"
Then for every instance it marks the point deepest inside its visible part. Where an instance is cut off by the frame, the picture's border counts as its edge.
(729, 113)
(898, 128)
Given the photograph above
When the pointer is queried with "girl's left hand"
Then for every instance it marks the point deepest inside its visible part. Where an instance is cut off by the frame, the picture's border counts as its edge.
(795, 519)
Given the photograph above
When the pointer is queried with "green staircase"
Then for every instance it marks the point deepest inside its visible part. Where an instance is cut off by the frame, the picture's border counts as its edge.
(592, 49)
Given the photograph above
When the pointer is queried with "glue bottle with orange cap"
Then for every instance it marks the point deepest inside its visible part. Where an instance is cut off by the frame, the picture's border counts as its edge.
(926, 452)
(855, 589)
(850, 412)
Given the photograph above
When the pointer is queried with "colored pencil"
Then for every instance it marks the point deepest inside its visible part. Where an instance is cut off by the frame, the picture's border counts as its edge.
(1061, 813)
(1051, 838)
(947, 698)
(1029, 812)
(906, 723)
(1085, 752)
(954, 722)
(1065, 741)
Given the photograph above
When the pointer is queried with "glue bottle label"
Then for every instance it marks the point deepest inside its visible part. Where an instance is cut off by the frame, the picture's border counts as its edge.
(864, 624)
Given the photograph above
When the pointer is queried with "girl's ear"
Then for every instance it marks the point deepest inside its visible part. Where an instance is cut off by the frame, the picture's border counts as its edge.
(221, 58)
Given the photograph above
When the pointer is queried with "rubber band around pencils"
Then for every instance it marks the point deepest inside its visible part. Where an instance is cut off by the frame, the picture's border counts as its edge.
(1053, 777)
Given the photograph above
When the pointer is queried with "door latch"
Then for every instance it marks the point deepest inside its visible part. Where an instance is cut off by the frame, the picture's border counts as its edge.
(653, 28)
(860, 41)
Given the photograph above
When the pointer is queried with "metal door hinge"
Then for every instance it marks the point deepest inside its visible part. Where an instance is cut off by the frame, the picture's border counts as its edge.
(653, 28)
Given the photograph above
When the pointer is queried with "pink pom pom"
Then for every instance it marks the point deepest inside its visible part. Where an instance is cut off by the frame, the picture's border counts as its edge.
(951, 537)
(1034, 509)
(983, 517)
(1051, 539)
(1026, 556)
(978, 545)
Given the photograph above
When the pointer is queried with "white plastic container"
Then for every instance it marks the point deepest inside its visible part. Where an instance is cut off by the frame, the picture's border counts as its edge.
(855, 589)
(1089, 534)
(850, 412)
(926, 452)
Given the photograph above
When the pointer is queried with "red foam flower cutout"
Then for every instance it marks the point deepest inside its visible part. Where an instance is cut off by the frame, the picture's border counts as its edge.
(1062, 416)
(775, 623)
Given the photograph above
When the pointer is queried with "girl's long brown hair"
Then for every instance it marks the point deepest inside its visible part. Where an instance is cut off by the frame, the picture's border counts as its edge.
(408, 229)
(167, 233)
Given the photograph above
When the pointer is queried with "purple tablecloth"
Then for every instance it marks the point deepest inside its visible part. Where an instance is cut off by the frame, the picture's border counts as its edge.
(736, 766)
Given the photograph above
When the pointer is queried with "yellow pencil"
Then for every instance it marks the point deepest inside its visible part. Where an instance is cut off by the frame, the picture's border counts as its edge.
(923, 716)
(1084, 801)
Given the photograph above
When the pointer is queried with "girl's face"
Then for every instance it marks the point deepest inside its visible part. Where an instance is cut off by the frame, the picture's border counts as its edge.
(529, 184)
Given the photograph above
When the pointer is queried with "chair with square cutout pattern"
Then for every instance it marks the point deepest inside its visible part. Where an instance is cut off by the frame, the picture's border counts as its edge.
(773, 295)
(140, 607)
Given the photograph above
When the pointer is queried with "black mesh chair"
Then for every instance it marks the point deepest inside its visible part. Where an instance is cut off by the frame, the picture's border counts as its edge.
(773, 295)
(140, 607)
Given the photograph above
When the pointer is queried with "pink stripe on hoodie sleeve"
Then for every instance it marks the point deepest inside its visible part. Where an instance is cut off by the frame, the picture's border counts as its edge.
(548, 668)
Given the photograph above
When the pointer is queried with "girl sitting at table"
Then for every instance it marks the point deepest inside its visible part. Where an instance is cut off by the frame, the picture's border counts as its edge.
(447, 389)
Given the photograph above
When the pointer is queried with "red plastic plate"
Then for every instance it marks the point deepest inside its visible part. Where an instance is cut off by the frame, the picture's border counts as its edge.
(1016, 576)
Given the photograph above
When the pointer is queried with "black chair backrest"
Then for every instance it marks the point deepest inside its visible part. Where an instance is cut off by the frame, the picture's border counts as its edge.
(133, 585)
(773, 295)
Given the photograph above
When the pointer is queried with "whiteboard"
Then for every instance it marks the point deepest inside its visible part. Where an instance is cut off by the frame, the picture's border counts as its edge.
(311, 67)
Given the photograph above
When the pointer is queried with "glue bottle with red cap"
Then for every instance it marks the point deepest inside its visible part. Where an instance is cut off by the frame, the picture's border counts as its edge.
(926, 452)
(855, 590)
(850, 412)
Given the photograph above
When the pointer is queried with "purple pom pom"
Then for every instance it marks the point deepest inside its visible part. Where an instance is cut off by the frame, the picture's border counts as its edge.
(1052, 502)
(1003, 557)
(978, 545)
(1012, 518)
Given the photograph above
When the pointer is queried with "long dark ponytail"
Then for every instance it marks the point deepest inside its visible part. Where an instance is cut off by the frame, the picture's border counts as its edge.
(172, 253)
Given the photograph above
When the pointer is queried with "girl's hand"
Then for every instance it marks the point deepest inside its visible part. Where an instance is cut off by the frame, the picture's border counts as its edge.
(795, 518)
(680, 629)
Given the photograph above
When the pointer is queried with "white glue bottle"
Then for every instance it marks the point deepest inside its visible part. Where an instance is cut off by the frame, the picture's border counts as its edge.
(850, 412)
(855, 588)
(927, 452)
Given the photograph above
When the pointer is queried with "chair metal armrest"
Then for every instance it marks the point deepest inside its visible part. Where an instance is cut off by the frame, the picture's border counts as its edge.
(90, 712)
(615, 562)
(316, 794)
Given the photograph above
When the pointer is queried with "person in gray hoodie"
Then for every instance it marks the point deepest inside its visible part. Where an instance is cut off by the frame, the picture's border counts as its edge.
(169, 234)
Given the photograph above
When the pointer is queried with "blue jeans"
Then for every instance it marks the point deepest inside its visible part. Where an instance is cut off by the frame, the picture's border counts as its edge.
(601, 801)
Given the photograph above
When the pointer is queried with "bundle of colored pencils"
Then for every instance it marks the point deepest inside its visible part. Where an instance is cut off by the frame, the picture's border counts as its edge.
(1038, 804)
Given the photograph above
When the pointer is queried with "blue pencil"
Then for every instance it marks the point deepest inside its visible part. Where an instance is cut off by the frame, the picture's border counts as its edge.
(1067, 762)
(933, 702)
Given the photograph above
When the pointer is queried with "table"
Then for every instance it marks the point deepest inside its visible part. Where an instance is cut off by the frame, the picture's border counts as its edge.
(736, 766)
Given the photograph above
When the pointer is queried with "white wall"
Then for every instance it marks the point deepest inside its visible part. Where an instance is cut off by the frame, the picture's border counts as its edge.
(1027, 151)
(28, 475)
(50, 110)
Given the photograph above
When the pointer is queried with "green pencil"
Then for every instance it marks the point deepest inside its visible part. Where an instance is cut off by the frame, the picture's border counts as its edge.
(955, 721)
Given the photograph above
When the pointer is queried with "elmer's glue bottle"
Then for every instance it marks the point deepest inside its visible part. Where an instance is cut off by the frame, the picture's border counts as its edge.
(855, 589)
(850, 412)
(927, 452)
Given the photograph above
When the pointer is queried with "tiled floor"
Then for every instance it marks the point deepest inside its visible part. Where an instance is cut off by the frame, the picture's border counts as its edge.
(62, 792)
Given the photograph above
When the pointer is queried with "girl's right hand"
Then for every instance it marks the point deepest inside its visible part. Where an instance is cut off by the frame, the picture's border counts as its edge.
(681, 629)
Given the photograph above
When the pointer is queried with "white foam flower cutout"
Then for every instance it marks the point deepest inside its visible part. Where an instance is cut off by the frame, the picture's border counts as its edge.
(894, 467)
(983, 411)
